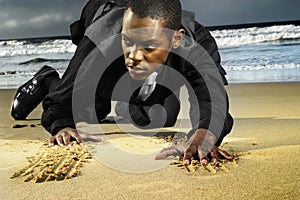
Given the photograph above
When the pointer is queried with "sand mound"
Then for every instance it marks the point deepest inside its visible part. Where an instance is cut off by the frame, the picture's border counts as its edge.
(196, 166)
(54, 163)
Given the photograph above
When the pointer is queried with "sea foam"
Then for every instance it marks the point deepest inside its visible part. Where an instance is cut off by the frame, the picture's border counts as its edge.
(254, 35)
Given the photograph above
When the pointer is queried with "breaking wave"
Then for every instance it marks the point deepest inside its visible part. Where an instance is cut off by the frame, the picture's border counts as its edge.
(256, 35)
(11, 48)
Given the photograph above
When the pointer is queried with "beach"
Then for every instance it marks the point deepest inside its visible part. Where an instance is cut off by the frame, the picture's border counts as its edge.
(265, 137)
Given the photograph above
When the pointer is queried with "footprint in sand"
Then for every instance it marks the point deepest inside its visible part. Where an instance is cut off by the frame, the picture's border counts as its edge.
(54, 163)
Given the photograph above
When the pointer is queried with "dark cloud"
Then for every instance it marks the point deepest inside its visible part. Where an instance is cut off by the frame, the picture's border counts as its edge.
(37, 18)
(224, 12)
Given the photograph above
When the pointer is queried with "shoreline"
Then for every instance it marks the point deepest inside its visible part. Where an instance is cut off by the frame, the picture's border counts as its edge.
(14, 87)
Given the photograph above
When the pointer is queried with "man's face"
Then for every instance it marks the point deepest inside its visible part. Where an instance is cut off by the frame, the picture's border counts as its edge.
(145, 45)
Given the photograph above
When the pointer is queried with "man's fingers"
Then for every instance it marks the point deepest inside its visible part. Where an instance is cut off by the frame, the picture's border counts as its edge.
(74, 133)
(204, 161)
(64, 137)
(90, 137)
(67, 139)
(214, 155)
(51, 141)
(165, 153)
(187, 157)
(225, 154)
(188, 154)
(59, 140)
(171, 151)
(78, 139)
(203, 151)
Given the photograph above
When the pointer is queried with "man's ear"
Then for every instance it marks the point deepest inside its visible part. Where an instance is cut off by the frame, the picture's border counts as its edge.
(178, 38)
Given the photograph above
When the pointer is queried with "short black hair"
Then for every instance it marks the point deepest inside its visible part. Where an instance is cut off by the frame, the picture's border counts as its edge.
(167, 10)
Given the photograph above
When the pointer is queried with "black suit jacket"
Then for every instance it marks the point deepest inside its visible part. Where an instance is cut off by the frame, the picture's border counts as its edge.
(88, 85)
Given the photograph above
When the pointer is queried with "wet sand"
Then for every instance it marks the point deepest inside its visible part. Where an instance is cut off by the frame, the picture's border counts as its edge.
(265, 137)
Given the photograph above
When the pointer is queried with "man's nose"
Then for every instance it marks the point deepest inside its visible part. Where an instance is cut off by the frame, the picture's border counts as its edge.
(136, 55)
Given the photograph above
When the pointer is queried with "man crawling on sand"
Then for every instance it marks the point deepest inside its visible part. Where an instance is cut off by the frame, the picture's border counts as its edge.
(160, 49)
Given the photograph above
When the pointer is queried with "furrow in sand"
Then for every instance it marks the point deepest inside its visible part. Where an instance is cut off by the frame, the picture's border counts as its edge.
(29, 168)
(72, 170)
(66, 166)
(55, 163)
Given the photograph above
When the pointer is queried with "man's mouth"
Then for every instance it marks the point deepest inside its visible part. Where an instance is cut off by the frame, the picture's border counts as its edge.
(136, 69)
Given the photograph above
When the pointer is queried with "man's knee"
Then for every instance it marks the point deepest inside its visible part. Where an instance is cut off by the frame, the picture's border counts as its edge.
(157, 117)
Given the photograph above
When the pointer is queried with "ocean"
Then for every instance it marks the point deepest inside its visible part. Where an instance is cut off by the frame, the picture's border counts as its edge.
(249, 55)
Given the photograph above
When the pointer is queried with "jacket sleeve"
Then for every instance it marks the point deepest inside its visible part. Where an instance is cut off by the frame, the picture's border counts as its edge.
(207, 95)
(84, 71)
(57, 104)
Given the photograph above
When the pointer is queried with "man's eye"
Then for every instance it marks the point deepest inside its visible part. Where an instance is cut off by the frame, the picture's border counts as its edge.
(128, 42)
(150, 47)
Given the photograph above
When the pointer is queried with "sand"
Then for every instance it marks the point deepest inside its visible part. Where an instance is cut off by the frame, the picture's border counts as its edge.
(54, 163)
(265, 140)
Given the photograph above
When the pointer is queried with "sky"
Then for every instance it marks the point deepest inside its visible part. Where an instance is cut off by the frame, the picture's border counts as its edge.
(41, 18)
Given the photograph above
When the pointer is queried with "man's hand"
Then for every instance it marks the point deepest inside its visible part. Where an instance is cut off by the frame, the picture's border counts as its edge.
(64, 137)
(203, 143)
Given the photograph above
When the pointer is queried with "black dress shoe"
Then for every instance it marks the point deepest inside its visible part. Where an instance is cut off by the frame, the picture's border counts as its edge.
(30, 94)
